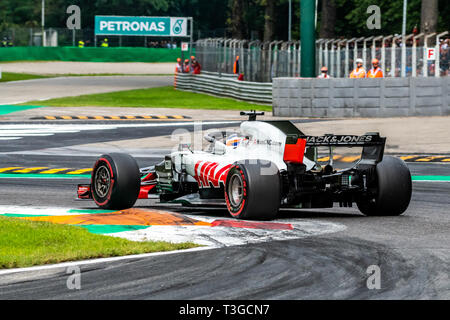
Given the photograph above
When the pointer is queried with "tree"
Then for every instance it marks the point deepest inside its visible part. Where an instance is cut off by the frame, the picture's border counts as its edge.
(258, 19)
(269, 17)
(328, 19)
(355, 17)
(238, 25)
(429, 16)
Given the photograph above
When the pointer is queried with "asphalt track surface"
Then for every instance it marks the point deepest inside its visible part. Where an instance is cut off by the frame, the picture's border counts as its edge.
(412, 251)
(41, 89)
(132, 130)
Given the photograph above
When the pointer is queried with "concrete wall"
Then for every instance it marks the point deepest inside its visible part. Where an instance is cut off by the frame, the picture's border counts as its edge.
(340, 97)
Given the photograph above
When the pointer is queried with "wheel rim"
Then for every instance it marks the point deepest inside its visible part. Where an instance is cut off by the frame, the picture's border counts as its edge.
(102, 181)
(236, 190)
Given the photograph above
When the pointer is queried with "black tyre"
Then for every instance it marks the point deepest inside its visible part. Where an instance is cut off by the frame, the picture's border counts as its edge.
(252, 190)
(394, 188)
(115, 181)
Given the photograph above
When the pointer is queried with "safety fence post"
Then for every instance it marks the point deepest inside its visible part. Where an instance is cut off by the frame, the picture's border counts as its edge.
(374, 46)
(403, 70)
(219, 56)
(393, 54)
(339, 68)
(330, 64)
(425, 57)
(347, 57)
(320, 42)
(383, 52)
(289, 51)
(437, 66)
(365, 50)
(251, 63)
(228, 56)
(271, 44)
(355, 51)
(333, 57)
(297, 59)
(326, 52)
(414, 54)
(242, 56)
(274, 71)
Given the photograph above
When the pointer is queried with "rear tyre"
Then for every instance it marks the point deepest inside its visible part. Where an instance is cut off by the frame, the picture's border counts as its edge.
(115, 181)
(252, 190)
(394, 188)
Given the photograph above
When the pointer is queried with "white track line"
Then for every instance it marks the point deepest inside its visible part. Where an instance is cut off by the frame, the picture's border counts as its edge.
(10, 138)
(15, 134)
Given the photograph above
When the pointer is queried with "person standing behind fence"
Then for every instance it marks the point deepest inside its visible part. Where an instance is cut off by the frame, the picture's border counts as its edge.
(179, 66)
(105, 43)
(236, 69)
(376, 71)
(359, 72)
(236, 66)
(324, 73)
(191, 64)
(186, 68)
(196, 67)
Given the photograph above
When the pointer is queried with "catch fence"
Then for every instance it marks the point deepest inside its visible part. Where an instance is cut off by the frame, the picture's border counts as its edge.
(264, 61)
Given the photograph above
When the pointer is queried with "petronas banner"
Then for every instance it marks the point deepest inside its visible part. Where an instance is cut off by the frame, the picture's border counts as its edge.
(141, 26)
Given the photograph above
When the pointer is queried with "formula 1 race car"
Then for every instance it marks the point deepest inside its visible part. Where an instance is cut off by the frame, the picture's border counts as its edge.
(264, 166)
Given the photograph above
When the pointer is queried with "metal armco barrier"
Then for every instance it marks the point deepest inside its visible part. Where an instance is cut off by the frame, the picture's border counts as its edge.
(224, 85)
(386, 97)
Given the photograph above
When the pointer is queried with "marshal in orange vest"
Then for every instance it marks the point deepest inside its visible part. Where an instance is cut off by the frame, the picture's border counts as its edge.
(376, 71)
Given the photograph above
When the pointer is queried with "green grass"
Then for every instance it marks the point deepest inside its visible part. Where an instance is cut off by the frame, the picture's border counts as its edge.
(27, 243)
(162, 97)
(10, 76)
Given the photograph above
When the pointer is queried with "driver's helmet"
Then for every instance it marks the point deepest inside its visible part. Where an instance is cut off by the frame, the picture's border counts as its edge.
(234, 140)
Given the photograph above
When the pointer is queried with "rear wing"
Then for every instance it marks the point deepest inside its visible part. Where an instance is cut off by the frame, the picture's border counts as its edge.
(330, 140)
(373, 144)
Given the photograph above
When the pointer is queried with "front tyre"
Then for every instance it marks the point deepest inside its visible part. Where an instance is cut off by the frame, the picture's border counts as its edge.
(393, 189)
(252, 190)
(115, 181)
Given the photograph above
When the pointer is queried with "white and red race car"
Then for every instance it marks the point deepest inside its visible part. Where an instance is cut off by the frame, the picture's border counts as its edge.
(264, 166)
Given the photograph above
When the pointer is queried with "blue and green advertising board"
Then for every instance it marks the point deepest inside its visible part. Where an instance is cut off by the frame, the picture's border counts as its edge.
(141, 26)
